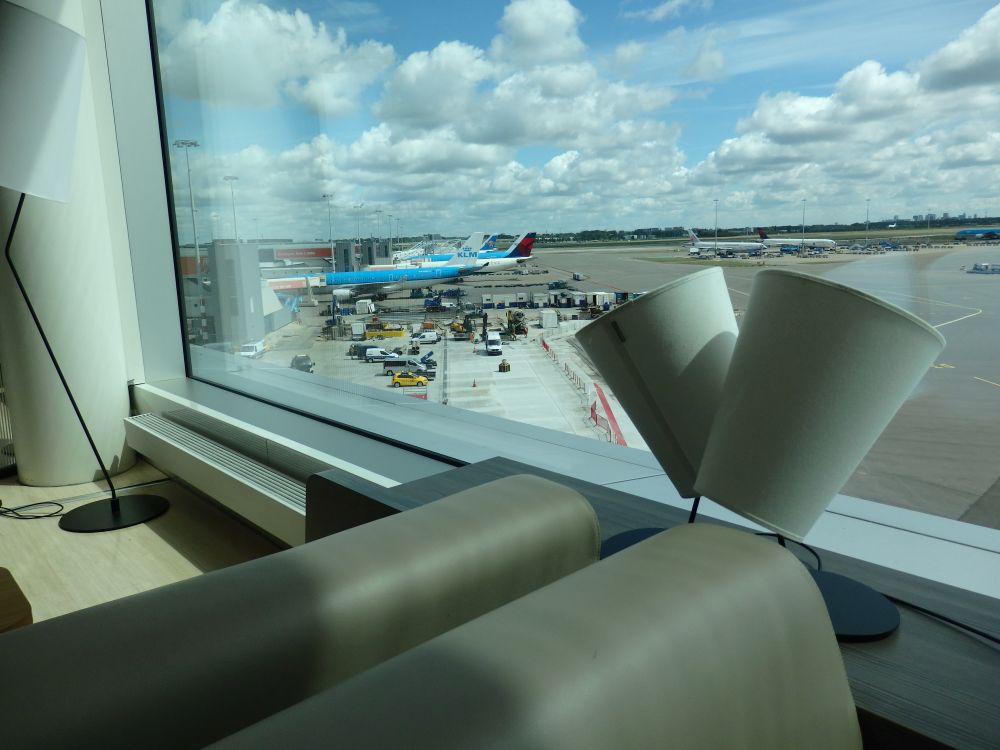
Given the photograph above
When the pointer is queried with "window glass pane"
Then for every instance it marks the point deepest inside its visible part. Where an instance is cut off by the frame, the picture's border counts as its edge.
(329, 162)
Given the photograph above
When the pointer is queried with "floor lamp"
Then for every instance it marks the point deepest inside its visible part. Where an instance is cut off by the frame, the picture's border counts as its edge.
(818, 372)
(41, 70)
(772, 422)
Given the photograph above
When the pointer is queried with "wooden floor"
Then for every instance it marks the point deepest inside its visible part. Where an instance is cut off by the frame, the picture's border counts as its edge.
(60, 572)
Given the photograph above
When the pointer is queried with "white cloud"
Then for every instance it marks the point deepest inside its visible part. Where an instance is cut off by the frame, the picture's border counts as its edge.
(971, 60)
(668, 9)
(247, 54)
(546, 138)
(534, 32)
(709, 63)
(910, 137)
(436, 88)
(629, 53)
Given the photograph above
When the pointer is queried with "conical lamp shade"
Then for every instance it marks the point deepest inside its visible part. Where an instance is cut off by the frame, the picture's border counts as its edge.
(665, 356)
(41, 68)
(817, 374)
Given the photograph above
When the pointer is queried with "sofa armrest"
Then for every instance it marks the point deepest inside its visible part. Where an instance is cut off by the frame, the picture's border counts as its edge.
(700, 637)
(186, 664)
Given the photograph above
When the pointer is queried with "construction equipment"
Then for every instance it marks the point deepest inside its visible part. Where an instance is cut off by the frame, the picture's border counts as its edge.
(516, 324)
(466, 326)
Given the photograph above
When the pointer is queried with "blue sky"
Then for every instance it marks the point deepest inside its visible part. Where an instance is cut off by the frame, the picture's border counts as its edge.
(551, 115)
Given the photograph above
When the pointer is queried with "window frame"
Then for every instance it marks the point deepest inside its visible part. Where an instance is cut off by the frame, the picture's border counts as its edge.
(941, 549)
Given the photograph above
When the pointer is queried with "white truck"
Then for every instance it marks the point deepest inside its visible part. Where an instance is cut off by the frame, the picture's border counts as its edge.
(426, 337)
(493, 344)
(253, 350)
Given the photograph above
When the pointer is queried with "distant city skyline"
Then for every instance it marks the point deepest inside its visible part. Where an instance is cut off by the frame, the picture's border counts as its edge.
(564, 117)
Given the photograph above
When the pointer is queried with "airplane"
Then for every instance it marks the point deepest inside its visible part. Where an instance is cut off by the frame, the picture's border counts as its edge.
(723, 248)
(978, 234)
(475, 240)
(380, 282)
(795, 243)
(484, 260)
(488, 261)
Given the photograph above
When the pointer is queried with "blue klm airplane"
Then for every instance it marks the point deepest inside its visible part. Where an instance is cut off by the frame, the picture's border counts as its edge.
(348, 284)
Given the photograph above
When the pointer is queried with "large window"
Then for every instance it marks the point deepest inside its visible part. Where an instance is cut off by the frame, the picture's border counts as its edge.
(311, 142)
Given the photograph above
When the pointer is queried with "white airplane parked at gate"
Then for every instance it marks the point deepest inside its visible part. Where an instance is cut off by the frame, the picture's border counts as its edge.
(478, 252)
(807, 242)
(723, 248)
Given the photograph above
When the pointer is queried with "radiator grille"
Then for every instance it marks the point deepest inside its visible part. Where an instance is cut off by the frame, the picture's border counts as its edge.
(267, 498)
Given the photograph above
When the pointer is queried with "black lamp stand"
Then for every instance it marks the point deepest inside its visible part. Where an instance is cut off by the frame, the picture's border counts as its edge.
(101, 515)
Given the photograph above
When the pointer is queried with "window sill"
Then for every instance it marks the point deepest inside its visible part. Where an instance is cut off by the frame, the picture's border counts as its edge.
(427, 438)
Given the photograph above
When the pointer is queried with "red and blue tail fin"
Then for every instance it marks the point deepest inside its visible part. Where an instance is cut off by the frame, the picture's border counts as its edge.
(521, 247)
(761, 233)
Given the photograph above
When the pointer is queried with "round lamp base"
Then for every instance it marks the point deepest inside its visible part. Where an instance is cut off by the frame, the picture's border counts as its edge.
(101, 516)
(858, 612)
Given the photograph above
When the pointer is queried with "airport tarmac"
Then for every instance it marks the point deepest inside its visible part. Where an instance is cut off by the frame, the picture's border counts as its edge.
(939, 455)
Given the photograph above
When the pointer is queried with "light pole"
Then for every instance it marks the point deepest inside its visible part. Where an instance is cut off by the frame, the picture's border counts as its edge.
(390, 235)
(187, 144)
(378, 224)
(329, 217)
(867, 214)
(358, 208)
(716, 225)
(928, 220)
(232, 194)
(802, 247)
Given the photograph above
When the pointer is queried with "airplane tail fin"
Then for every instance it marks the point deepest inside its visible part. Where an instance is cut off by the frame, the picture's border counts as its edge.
(692, 236)
(489, 244)
(521, 247)
(761, 233)
(474, 241)
(469, 251)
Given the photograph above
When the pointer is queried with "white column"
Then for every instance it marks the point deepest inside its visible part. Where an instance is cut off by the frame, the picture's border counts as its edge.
(63, 253)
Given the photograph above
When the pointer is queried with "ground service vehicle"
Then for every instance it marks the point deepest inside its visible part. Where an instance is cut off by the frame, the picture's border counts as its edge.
(408, 379)
(377, 354)
(436, 304)
(493, 345)
(392, 366)
(426, 337)
(253, 350)
(302, 362)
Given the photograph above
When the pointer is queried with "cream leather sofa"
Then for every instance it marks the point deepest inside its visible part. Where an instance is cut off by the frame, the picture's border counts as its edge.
(188, 664)
(701, 637)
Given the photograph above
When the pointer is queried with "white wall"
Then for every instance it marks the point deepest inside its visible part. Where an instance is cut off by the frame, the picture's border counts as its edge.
(66, 256)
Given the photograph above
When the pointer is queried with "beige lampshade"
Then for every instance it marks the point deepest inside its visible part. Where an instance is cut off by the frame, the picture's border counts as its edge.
(817, 374)
(41, 69)
(665, 356)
